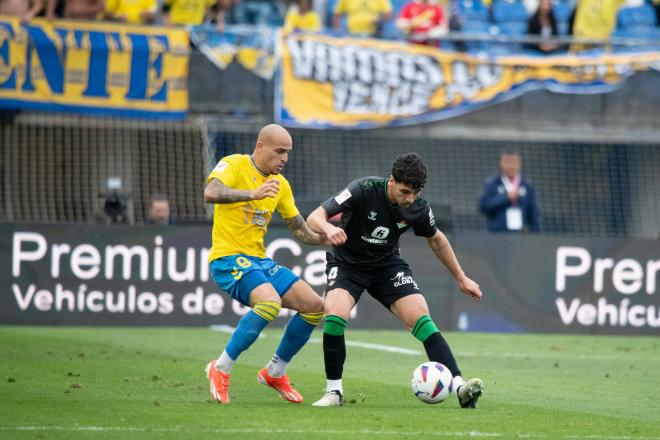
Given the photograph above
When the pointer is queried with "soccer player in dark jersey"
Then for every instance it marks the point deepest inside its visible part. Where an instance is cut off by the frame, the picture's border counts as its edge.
(374, 213)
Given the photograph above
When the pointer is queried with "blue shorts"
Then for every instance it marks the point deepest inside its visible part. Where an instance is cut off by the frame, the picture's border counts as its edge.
(239, 274)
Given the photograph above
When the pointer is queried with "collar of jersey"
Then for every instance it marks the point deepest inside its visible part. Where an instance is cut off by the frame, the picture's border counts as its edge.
(256, 167)
(392, 205)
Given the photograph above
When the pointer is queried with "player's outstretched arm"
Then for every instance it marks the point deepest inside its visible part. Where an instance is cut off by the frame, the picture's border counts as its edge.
(302, 232)
(318, 222)
(443, 250)
(218, 192)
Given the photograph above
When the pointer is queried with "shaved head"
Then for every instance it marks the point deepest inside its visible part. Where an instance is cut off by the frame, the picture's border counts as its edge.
(274, 134)
(271, 151)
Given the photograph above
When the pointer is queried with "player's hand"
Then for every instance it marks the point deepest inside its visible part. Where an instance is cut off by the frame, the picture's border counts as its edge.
(470, 288)
(335, 236)
(268, 189)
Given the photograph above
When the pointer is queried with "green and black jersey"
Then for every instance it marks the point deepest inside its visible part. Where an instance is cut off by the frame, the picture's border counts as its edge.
(373, 224)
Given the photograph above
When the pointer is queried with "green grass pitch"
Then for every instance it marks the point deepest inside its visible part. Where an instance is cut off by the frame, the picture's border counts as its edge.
(61, 382)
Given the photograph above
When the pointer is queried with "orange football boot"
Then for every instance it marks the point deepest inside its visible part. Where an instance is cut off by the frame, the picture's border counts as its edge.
(218, 383)
(281, 385)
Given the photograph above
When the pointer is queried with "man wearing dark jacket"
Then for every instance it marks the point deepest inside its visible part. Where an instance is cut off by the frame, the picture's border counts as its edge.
(509, 201)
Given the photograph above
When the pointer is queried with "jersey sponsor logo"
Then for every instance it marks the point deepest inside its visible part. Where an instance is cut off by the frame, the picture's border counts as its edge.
(381, 232)
(273, 270)
(343, 196)
(221, 166)
(372, 215)
(401, 278)
(260, 217)
(373, 240)
(431, 218)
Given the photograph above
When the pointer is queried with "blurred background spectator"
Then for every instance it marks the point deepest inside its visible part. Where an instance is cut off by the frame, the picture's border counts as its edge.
(221, 9)
(187, 12)
(595, 19)
(159, 210)
(363, 17)
(132, 11)
(509, 201)
(423, 22)
(24, 9)
(543, 23)
(301, 17)
(76, 9)
(54, 9)
(257, 13)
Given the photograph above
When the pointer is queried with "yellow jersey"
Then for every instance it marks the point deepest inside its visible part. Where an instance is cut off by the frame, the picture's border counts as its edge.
(295, 21)
(239, 228)
(362, 15)
(131, 9)
(188, 11)
(596, 18)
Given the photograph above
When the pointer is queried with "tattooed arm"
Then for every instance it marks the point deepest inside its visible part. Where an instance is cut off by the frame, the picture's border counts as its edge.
(218, 192)
(301, 231)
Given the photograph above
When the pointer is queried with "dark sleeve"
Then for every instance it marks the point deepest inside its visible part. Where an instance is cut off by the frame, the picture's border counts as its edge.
(533, 211)
(345, 200)
(534, 24)
(424, 225)
(492, 201)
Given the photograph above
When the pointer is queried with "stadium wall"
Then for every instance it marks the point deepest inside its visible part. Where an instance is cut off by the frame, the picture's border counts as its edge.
(54, 169)
(121, 275)
(583, 188)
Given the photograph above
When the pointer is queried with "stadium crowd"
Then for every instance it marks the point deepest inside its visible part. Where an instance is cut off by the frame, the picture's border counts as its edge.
(418, 21)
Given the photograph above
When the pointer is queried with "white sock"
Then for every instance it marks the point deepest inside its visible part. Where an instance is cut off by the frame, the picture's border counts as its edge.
(277, 366)
(334, 385)
(456, 382)
(224, 362)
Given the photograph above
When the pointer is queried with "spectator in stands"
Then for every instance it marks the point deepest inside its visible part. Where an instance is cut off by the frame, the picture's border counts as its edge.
(509, 201)
(258, 13)
(75, 9)
(187, 12)
(24, 9)
(54, 9)
(159, 210)
(423, 22)
(132, 11)
(594, 19)
(656, 5)
(221, 9)
(302, 18)
(543, 23)
(363, 17)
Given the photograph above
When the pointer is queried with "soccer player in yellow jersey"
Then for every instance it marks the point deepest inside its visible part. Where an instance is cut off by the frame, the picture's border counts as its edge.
(246, 190)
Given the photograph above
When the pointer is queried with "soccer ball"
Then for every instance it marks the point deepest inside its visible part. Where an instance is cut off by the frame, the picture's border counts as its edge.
(431, 382)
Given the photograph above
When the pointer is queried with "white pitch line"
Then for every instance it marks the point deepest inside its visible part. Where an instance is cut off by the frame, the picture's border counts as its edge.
(380, 347)
(394, 349)
(316, 431)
